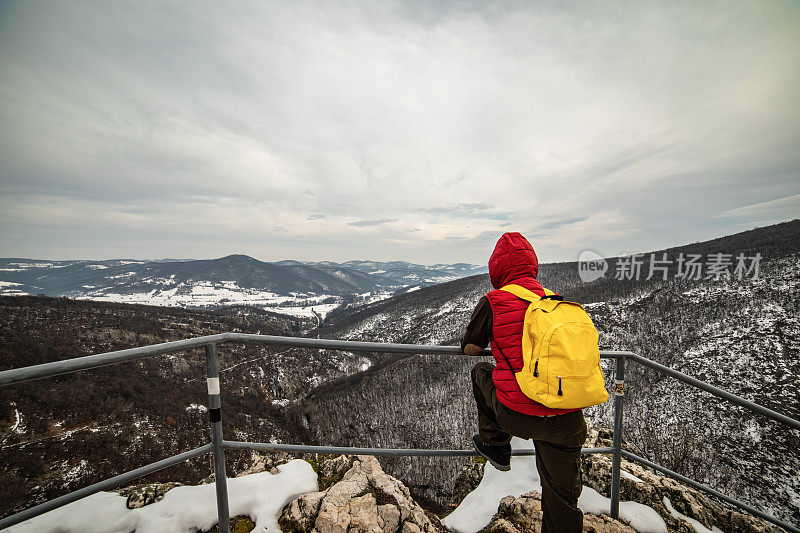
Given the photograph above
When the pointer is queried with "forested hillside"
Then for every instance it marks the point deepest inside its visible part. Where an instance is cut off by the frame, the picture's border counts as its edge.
(63, 433)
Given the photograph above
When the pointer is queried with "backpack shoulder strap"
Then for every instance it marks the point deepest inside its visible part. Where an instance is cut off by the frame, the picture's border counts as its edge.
(530, 296)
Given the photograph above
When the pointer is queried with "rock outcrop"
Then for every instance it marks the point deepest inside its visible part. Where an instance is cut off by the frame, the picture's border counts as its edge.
(643, 486)
(366, 500)
(468, 479)
(141, 495)
(524, 515)
(356, 495)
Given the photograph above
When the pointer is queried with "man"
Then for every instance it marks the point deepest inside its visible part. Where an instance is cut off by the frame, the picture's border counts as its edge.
(503, 410)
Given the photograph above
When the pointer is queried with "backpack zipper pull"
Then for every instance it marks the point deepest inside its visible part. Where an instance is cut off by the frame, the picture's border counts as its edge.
(559, 387)
(536, 368)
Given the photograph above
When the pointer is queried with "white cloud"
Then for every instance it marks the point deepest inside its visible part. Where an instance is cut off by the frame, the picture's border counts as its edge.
(196, 131)
(771, 211)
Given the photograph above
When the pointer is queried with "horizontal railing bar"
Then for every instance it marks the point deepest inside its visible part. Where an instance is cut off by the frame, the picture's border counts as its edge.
(791, 422)
(57, 368)
(350, 346)
(714, 492)
(109, 483)
(613, 354)
(363, 346)
(408, 452)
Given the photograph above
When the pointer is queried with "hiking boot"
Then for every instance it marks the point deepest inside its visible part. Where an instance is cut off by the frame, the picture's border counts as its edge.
(499, 456)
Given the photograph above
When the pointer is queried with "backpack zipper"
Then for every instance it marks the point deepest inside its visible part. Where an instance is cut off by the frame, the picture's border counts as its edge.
(536, 368)
(559, 387)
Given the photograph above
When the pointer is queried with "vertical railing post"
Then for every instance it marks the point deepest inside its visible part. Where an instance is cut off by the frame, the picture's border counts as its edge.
(214, 409)
(619, 397)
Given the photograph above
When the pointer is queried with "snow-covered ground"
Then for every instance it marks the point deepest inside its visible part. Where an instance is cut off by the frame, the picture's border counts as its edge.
(38, 264)
(477, 509)
(305, 312)
(184, 509)
(204, 294)
(207, 294)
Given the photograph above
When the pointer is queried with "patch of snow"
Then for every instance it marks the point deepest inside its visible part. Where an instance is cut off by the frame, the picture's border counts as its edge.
(372, 297)
(189, 508)
(125, 275)
(17, 427)
(197, 407)
(8, 284)
(446, 308)
(477, 509)
(753, 431)
(441, 279)
(700, 528)
(630, 476)
(97, 267)
(304, 312)
(74, 473)
(207, 294)
(37, 265)
(640, 517)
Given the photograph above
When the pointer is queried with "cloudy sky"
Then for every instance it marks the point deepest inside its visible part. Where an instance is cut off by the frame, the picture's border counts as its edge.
(418, 131)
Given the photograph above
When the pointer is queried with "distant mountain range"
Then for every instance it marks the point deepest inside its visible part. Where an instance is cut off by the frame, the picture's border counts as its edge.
(293, 287)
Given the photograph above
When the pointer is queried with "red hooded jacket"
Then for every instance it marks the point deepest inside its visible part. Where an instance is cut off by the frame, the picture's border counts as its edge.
(513, 261)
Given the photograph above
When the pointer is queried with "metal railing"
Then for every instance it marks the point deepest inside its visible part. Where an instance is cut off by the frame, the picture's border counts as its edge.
(218, 444)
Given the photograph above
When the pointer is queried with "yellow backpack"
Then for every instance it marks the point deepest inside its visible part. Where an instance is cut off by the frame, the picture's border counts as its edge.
(560, 353)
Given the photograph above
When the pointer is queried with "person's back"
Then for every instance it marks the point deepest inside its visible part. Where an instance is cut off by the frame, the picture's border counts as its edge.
(503, 410)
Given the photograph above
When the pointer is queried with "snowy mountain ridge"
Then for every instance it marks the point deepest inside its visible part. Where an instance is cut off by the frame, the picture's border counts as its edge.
(307, 289)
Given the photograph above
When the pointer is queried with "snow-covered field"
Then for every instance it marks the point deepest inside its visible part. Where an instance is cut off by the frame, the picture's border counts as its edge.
(204, 294)
(306, 311)
(9, 287)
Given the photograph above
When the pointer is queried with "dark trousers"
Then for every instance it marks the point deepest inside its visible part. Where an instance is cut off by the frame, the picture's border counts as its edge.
(557, 440)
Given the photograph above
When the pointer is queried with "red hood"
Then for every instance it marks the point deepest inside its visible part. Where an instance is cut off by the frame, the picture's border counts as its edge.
(513, 258)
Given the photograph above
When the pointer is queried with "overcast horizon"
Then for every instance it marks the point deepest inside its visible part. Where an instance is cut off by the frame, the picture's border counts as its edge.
(408, 131)
(172, 259)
